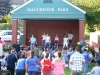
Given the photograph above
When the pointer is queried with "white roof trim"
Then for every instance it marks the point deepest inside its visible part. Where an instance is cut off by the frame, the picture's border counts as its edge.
(21, 6)
(74, 6)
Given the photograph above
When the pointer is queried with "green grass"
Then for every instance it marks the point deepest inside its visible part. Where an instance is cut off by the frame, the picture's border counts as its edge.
(67, 70)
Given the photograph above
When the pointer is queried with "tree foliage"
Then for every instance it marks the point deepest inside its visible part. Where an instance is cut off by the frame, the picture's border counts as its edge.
(8, 18)
(92, 8)
(5, 7)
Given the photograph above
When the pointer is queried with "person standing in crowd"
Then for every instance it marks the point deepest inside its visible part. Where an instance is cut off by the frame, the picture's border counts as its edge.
(77, 60)
(70, 53)
(46, 65)
(65, 42)
(65, 55)
(11, 60)
(91, 57)
(95, 70)
(36, 51)
(43, 40)
(56, 41)
(28, 53)
(20, 67)
(58, 65)
(48, 40)
(31, 64)
(70, 37)
(3, 61)
(98, 56)
(33, 41)
(87, 58)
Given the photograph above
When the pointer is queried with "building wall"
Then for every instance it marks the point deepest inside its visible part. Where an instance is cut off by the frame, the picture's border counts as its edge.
(52, 27)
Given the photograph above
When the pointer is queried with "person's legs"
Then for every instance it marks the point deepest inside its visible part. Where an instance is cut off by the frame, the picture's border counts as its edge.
(49, 44)
(85, 68)
(46, 74)
(79, 73)
(31, 46)
(43, 43)
(17, 72)
(11, 69)
(74, 73)
(21, 72)
(56, 44)
(64, 45)
(29, 73)
(8, 68)
(34, 73)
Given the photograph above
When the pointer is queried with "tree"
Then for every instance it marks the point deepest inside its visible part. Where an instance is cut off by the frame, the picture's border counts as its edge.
(5, 7)
(8, 18)
(92, 8)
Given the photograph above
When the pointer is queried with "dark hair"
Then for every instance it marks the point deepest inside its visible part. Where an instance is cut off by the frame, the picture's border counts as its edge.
(3, 56)
(46, 55)
(99, 49)
(77, 48)
(22, 56)
(59, 54)
(32, 54)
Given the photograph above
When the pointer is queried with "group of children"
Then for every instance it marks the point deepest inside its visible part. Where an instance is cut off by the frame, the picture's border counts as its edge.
(46, 40)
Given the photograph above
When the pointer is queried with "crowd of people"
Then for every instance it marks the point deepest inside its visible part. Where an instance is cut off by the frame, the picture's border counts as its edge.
(48, 60)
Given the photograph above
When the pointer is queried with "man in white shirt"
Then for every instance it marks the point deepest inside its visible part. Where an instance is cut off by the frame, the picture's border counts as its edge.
(77, 60)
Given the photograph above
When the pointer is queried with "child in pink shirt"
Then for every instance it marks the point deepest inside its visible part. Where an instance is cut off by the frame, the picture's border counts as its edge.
(59, 65)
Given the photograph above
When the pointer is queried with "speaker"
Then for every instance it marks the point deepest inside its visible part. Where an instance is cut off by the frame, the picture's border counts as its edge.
(17, 47)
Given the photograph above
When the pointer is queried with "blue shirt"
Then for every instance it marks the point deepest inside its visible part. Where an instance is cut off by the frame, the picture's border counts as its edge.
(21, 64)
(70, 53)
(86, 56)
(3, 62)
(32, 63)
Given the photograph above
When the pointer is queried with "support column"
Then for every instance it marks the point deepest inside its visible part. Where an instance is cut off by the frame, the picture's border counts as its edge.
(24, 30)
(81, 29)
(14, 31)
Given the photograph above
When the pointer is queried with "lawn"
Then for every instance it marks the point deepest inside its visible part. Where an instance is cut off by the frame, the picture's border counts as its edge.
(67, 71)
